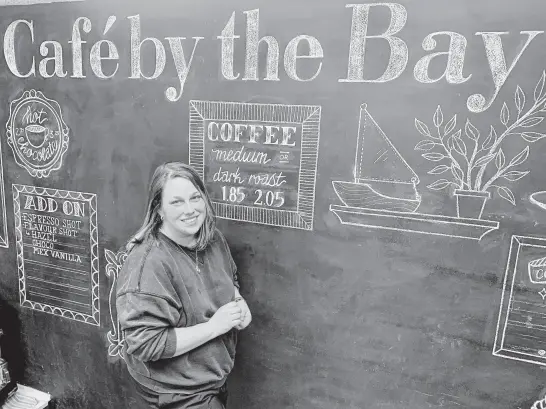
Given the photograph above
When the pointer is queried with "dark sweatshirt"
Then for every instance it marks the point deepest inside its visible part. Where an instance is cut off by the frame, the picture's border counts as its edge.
(158, 289)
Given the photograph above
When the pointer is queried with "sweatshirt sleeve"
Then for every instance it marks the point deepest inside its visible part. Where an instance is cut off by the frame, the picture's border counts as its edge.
(146, 322)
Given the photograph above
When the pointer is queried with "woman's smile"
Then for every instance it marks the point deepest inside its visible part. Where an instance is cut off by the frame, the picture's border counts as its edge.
(190, 221)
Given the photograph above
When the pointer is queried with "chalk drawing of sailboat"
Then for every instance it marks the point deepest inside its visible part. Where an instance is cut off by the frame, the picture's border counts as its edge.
(383, 180)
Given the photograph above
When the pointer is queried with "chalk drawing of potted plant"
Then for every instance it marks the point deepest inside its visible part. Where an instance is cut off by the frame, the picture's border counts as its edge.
(466, 159)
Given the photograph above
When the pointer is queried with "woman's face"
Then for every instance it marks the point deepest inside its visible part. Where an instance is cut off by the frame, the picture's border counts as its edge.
(183, 210)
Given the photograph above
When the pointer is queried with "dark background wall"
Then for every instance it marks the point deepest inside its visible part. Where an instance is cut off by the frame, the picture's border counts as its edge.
(344, 316)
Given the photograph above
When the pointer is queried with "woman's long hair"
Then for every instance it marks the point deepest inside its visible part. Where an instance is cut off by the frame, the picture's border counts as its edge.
(152, 221)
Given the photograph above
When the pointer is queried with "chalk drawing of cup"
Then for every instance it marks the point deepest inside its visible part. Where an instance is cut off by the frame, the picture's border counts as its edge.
(36, 135)
(537, 271)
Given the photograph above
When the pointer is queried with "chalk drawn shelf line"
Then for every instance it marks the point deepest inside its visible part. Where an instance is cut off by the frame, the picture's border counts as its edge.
(415, 222)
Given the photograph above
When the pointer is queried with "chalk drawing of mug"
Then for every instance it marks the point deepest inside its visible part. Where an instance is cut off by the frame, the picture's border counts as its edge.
(36, 135)
(537, 271)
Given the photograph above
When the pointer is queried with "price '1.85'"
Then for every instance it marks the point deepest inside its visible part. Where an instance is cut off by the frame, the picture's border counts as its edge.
(260, 197)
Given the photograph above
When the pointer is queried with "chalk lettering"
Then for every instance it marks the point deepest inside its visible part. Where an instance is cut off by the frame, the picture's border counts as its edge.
(228, 177)
(182, 66)
(239, 156)
(42, 236)
(34, 117)
(39, 227)
(267, 179)
(57, 60)
(9, 48)
(68, 232)
(136, 46)
(291, 56)
(74, 208)
(497, 65)
(455, 59)
(95, 58)
(252, 44)
(42, 154)
(77, 64)
(228, 48)
(38, 218)
(398, 58)
(61, 255)
(41, 204)
(42, 243)
(228, 132)
(72, 224)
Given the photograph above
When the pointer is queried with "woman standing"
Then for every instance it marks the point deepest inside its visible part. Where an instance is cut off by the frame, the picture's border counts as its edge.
(178, 300)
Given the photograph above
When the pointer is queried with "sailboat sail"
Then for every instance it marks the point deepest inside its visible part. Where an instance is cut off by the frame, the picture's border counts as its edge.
(376, 157)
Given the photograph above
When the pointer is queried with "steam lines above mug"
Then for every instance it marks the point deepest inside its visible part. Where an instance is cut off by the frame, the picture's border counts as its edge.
(384, 194)
(259, 161)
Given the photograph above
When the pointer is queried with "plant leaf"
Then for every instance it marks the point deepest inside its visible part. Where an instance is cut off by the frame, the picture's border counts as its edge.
(425, 145)
(422, 128)
(438, 118)
(506, 194)
(491, 139)
(484, 160)
(520, 157)
(532, 136)
(529, 122)
(438, 169)
(519, 99)
(500, 159)
(459, 146)
(514, 175)
(449, 143)
(471, 131)
(439, 184)
(435, 157)
(539, 89)
(450, 126)
(505, 114)
(457, 172)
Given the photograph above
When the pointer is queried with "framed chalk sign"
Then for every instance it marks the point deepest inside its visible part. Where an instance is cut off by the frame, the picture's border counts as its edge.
(57, 252)
(258, 161)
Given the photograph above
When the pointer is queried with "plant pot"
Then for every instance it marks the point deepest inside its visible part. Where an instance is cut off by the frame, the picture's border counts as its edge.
(470, 203)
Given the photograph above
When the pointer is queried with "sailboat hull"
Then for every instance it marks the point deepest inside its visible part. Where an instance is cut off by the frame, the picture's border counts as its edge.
(363, 195)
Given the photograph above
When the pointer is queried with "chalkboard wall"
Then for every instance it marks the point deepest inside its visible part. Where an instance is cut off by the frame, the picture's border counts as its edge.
(377, 169)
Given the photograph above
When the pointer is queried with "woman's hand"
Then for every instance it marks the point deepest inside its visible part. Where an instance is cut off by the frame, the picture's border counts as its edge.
(227, 317)
(246, 316)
